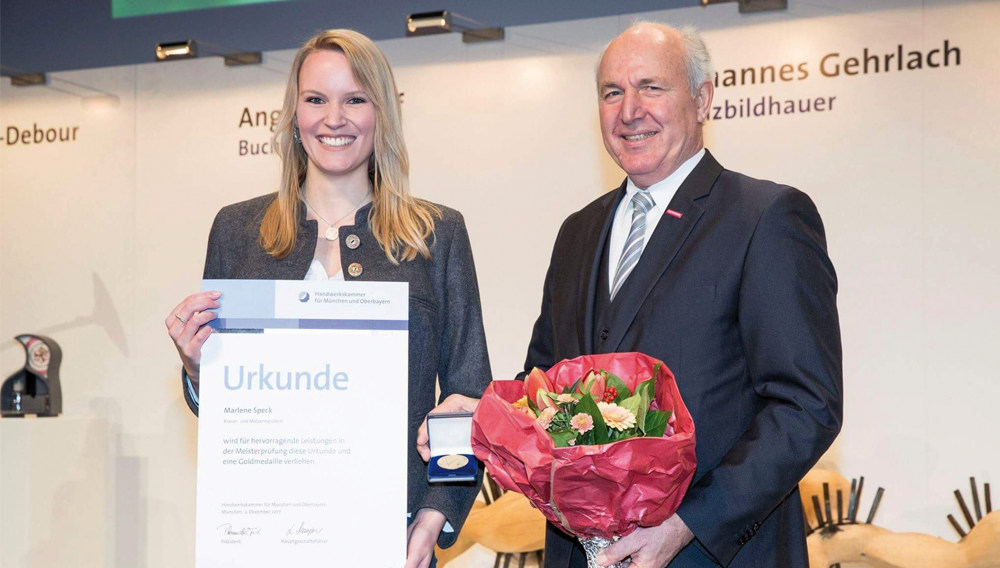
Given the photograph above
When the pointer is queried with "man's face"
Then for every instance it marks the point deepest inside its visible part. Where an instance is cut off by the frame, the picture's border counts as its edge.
(650, 123)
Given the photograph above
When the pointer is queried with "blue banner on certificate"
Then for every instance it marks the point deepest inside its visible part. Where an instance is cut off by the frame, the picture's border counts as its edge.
(302, 425)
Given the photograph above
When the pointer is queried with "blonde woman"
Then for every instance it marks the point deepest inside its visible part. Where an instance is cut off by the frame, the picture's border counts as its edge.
(343, 211)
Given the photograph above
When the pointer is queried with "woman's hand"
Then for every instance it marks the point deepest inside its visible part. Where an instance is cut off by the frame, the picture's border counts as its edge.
(186, 326)
(421, 536)
(454, 403)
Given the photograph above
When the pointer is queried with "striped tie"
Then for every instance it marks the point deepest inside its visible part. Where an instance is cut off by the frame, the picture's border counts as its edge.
(642, 202)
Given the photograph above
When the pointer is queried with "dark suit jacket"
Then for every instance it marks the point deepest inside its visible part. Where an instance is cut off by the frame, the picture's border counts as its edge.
(738, 298)
(446, 338)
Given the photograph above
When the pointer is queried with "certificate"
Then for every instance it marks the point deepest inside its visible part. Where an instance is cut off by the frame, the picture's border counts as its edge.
(302, 434)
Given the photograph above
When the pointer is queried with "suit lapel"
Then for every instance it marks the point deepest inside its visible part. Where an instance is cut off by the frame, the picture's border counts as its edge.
(590, 266)
(667, 239)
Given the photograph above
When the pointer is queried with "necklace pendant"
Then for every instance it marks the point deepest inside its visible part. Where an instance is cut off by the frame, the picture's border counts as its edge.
(332, 234)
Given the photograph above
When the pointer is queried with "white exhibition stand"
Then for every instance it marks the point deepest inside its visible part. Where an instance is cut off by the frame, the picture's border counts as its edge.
(58, 507)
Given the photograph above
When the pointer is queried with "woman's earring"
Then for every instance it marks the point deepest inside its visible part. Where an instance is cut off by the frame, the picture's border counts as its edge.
(295, 135)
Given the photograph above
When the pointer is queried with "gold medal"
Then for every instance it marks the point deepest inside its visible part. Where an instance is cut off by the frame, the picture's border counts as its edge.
(453, 461)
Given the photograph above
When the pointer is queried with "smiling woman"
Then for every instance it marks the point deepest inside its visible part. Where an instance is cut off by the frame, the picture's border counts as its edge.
(343, 211)
(341, 124)
(335, 120)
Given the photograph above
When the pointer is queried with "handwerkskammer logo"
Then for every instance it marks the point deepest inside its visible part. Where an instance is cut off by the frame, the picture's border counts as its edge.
(303, 297)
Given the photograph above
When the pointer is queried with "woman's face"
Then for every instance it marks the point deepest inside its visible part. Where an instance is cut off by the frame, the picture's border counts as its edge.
(336, 119)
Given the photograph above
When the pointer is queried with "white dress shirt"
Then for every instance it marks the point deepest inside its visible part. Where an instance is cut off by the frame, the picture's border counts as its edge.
(661, 192)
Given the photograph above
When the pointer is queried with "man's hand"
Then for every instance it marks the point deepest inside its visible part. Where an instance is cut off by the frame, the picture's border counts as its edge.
(454, 403)
(421, 536)
(652, 547)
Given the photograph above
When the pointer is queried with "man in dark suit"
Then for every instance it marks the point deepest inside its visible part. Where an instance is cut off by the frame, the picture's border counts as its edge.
(723, 277)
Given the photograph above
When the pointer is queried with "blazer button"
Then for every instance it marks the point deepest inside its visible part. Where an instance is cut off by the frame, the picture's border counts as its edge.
(355, 269)
(604, 334)
(352, 242)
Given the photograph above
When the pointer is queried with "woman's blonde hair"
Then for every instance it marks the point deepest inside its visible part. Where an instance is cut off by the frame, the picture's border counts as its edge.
(401, 223)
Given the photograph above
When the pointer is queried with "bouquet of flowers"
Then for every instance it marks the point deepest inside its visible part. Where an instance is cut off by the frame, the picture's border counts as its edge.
(600, 444)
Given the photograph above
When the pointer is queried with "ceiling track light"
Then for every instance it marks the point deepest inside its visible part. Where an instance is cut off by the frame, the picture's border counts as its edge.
(28, 79)
(176, 50)
(750, 6)
(21, 78)
(446, 21)
(189, 49)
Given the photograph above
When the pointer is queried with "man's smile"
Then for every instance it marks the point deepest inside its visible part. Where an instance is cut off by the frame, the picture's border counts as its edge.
(639, 137)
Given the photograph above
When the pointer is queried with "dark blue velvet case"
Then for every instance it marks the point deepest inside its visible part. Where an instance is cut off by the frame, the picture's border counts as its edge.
(451, 434)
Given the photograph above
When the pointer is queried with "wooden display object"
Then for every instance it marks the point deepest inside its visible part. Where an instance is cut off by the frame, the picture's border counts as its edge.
(864, 545)
(508, 525)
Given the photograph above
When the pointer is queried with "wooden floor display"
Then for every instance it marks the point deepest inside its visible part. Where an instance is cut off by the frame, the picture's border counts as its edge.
(841, 529)
(503, 522)
(838, 536)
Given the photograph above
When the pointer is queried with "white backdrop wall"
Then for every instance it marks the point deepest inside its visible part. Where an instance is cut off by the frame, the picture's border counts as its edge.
(102, 235)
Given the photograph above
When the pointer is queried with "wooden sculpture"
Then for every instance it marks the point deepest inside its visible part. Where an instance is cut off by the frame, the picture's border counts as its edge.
(838, 534)
(508, 524)
(842, 539)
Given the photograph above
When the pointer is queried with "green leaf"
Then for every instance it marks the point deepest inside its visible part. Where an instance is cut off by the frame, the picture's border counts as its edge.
(646, 390)
(620, 386)
(575, 386)
(562, 438)
(609, 375)
(588, 406)
(541, 394)
(648, 387)
(633, 403)
(656, 423)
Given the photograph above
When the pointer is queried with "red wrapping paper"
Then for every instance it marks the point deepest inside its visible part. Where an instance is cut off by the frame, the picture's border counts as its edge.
(602, 490)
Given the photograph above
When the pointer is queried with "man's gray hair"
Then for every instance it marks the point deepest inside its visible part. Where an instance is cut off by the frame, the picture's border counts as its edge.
(698, 61)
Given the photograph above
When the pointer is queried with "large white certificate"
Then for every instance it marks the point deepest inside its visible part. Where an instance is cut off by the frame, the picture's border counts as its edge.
(302, 428)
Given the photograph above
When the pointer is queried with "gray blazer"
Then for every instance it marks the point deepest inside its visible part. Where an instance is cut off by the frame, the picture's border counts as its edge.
(447, 340)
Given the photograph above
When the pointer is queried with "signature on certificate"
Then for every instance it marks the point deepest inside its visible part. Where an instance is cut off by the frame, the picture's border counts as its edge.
(228, 530)
(302, 529)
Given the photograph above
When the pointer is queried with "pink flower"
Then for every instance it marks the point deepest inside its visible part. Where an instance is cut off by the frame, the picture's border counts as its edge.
(615, 416)
(545, 418)
(565, 399)
(593, 383)
(582, 423)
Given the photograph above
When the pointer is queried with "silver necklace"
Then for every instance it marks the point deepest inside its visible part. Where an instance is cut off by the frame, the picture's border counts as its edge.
(331, 233)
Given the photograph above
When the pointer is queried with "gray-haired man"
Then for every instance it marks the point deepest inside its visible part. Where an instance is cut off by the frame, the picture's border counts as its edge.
(726, 279)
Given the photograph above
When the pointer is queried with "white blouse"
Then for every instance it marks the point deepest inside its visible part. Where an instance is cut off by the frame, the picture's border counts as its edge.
(317, 272)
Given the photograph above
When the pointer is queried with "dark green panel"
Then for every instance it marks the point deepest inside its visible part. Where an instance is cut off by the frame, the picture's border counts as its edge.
(128, 8)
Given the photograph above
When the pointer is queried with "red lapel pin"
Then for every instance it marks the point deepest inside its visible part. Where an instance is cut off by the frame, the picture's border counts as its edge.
(673, 213)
